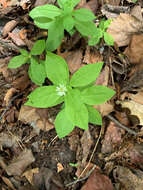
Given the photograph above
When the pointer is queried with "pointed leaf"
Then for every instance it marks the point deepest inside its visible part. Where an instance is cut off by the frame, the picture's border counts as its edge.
(85, 28)
(44, 97)
(76, 111)
(17, 61)
(49, 11)
(83, 15)
(86, 75)
(55, 35)
(108, 39)
(43, 22)
(38, 47)
(24, 52)
(94, 116)
(37, 72)
(63, 124)
(96, 95)
(56, 69)
(68, 23)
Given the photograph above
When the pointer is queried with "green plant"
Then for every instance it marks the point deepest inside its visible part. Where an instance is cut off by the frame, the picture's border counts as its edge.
(78, 93)
(103, 26)
(37, 68)
(56, 20)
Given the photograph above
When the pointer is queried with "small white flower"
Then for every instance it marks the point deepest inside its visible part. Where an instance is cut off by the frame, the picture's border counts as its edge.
(61, 89)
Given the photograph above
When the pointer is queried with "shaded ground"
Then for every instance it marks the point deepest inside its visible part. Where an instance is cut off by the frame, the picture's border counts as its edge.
(104, 157)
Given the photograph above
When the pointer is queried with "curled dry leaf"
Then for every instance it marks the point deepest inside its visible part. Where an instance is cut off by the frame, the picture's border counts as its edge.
(14, 35)
(135, 49)
(98, 181)
(128, 179)
(137, 12)
(19, 164)
(30, 173)
(9, 95)
(9, 27)
(135, 108)
(122, 27)
(112, 139)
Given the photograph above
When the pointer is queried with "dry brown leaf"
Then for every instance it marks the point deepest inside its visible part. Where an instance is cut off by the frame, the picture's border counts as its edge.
(103, 77)
(105, 108)
(136, 97)
(98, 181)
(135, 108)
(130, 180)
(122, 27)
(8, 141)
(74, 60)
(91, 5)
(9, 27)
(21, 83)
(135, 49)
(29, 174)
(92, 56)
(113, 138)
(59, 167)
(137, 12)
(20, 163)
(29, 115)
(9, 95)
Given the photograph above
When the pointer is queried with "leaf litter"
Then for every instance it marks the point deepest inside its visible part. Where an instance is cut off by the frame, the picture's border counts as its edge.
(28, 141)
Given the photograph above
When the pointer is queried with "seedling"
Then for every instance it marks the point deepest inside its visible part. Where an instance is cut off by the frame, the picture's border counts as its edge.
(56, 20)
(101, 33)
(37, 68)
(77, 93)
(73, 165)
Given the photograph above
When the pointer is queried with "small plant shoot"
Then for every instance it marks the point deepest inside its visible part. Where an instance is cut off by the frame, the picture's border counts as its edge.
(56, 20)
(78, 94)
(37, 68)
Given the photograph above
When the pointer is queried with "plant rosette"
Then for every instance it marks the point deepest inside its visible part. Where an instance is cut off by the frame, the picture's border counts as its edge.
(77, 93)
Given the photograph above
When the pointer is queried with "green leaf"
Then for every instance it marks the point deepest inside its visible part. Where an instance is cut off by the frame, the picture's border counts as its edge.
(68, 5)
(63, 124)
(108, 39)
(24, 52)
(55, 35)
(95, 39)
(37, 72)
(75, 109)
(61, 3)
(44, 97)
(107, 23)
(83, 15)
(86, 75)
(49, 11)
(94, 116)
(38, 47)
(86, 28)
(43, 22)
(68, 23)
(56, 69)
(17, 61)
(96, 95)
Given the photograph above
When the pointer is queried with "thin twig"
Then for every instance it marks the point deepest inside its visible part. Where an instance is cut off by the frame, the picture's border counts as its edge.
(121, 125)
(79, 180)
(89, 173)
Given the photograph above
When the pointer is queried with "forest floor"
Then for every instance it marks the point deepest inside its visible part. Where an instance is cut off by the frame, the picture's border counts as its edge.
(105, 157)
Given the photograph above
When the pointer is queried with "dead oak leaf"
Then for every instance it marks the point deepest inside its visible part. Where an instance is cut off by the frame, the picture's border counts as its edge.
(134, 51)
(122, 27)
